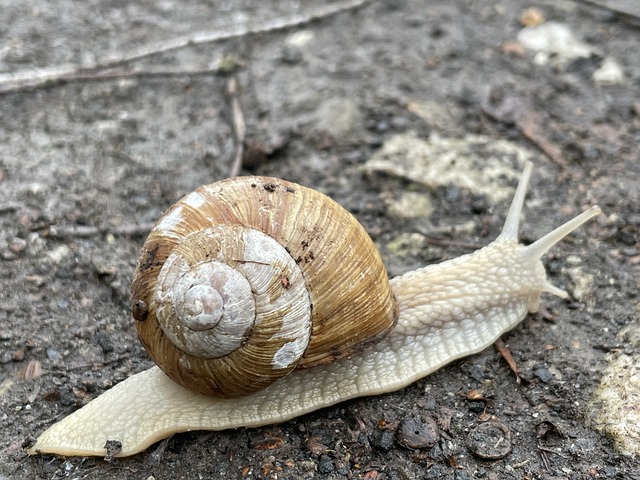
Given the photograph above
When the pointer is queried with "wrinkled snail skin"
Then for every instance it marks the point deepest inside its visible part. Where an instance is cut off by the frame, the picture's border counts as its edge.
(446, 311)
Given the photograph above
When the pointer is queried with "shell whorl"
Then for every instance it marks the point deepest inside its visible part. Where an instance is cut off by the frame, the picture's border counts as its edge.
(246, 279)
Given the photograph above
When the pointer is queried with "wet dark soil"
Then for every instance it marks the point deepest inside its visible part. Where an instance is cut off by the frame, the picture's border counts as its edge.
(87, 164)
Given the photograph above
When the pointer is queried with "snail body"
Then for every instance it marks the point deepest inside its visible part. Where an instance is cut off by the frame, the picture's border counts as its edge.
(444, 312)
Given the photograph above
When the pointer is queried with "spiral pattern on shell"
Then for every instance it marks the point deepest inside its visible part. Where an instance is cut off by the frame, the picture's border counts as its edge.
(246, 279)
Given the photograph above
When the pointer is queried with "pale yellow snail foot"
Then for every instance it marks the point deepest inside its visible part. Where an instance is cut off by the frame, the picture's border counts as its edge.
(137, 412)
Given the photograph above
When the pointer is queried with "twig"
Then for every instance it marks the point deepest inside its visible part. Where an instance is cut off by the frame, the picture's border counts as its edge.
(10, 207)
(84, 231)
(239, 128)
(521, 464)
(11, 82)
(443, 242)
(518, 111)
(534, 134)
(87, 366)
(106, 74)
(550, 450)
(506, 354)
(545, 459)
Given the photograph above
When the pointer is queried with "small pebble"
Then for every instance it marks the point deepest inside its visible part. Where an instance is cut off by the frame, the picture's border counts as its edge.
(609, 73)
(104, 341)
(300, 38)
(90, 385)
(399, 123)
(315, 446)
(17, 245)
(53, 355)
(543, 374)
(85, 332)
(531, 17)
(417, 433)
(338, 117)
(290, 55)
(553, 41)
(382, 126)
(341, 468)
(582, 445)
(325, 465)
(437, 472)
(460, 475)
(382, 440)
(105, 384)
(308, 466)
(59, 253)
(67, 397)
(477, 372)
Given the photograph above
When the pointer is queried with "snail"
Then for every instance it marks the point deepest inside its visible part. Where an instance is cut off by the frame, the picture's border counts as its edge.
(314, 285)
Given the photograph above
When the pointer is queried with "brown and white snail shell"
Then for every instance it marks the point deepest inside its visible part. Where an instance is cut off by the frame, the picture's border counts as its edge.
(246, 279)
(312, 283)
